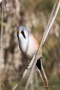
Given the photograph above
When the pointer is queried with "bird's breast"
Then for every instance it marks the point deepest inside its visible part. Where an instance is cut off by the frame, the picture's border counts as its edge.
(22, 45)
(29, 46)
(33, 45)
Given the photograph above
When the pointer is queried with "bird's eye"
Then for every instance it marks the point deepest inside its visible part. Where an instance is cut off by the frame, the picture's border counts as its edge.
(23, 33)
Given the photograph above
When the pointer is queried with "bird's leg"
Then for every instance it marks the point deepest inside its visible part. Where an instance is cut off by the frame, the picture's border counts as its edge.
(30, 64)
(28, 67)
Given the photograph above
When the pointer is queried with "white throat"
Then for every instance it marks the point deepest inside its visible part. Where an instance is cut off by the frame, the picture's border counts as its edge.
(23, 43)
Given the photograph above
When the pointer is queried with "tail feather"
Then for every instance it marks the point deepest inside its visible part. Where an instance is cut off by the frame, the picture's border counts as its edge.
(42, 72)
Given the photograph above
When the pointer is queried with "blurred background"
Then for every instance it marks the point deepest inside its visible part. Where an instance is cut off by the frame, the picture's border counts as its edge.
(33, 14)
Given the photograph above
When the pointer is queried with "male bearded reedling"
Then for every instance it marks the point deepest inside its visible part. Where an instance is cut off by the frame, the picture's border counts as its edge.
(29, 44)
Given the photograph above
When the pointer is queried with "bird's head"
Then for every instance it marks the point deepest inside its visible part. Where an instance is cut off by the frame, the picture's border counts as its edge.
(22, 33)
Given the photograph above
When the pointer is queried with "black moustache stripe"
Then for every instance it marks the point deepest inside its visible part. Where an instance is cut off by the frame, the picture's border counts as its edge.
(23, 34)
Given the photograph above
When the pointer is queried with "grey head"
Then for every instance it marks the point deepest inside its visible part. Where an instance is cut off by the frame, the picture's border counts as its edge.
(22, 32)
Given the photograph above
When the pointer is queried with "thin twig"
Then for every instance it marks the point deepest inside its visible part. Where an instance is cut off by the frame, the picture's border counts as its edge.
(50, 23)
(32, 70)
(51, 20)
(1, 46)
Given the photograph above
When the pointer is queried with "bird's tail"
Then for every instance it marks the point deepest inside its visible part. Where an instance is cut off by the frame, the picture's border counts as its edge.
(42, 72)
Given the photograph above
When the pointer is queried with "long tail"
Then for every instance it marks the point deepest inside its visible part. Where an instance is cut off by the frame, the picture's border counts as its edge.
(41, 71)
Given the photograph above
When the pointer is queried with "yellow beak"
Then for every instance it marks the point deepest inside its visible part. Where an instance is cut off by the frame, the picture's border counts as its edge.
(19, 32)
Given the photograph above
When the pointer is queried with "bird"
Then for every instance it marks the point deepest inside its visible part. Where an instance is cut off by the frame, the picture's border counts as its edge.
(28, 44)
